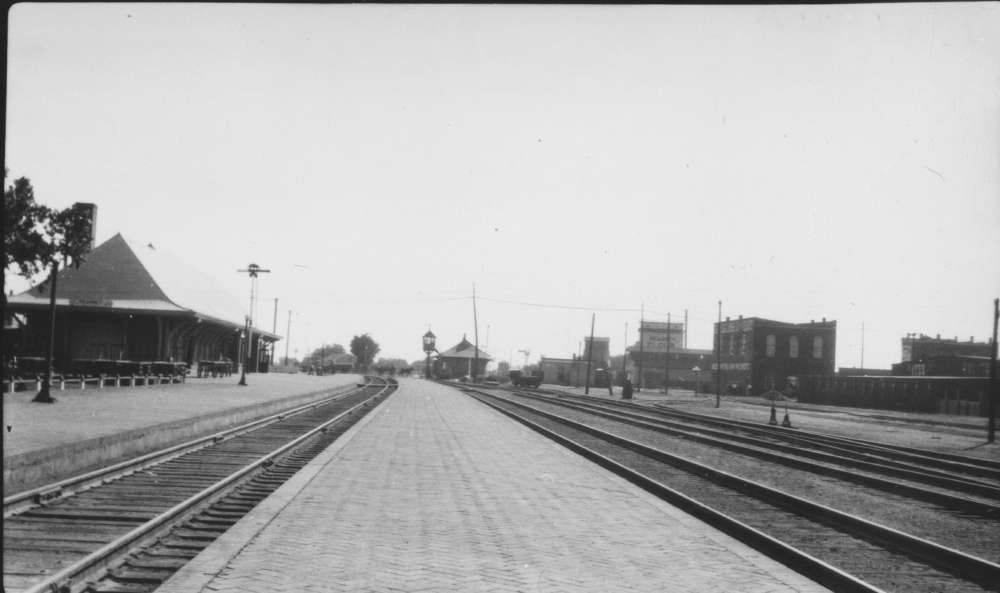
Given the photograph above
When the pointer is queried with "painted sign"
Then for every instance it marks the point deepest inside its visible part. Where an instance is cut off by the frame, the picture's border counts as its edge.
(655, 335)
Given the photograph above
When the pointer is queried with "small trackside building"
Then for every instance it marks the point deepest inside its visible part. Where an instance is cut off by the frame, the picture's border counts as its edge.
(458, 361)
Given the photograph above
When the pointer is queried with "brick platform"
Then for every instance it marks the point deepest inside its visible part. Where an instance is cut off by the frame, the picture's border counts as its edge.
(86, 429)
(435, 492)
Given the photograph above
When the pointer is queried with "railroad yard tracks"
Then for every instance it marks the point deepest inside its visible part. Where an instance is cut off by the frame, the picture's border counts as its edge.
(845, 548)
(127, 528)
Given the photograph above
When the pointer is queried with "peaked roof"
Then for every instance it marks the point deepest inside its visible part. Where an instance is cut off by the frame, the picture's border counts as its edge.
(118, 275)
(464, 349)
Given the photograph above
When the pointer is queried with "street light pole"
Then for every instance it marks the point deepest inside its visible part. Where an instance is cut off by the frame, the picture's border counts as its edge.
(252, 270)
(718, 359)
(44, 394)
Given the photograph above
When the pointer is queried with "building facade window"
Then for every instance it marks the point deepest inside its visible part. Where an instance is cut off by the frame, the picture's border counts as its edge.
(770, 345)
(818, 347)
(793, 347)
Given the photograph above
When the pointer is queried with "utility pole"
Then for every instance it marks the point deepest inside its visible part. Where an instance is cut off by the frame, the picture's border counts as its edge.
(288, 334)
(666, 365)
(642, 315)
(684, 344)
(862, 346)
(991, 428)
(274, 327)
(625, 357)
(718, 358)
(475, 326)
(590, 355)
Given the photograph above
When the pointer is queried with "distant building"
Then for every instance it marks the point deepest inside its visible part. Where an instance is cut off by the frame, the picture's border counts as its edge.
(860, 372)
(922, 355)
(650, 356)
(573, 371)
(459, 360)
(761, 354)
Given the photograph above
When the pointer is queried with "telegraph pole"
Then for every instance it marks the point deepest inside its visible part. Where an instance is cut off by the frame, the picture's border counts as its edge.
(666, 366)
(642, 314)
(991, 428)
(288, 334)
(475, 322)
(625, 356)
(590, 356)
(274, 327)
(862, 346)
(718, 358)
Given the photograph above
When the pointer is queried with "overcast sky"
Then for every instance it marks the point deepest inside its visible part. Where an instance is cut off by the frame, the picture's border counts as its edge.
(796, 162)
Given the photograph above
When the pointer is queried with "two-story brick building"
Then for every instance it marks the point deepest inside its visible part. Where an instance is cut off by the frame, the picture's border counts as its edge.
(762, 354)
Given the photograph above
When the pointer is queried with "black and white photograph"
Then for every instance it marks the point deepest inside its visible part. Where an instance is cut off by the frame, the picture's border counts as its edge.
(537, 298)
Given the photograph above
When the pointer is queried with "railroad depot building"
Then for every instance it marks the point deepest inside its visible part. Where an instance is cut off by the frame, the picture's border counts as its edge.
(759, 354)
(459, 360)
(130, 303)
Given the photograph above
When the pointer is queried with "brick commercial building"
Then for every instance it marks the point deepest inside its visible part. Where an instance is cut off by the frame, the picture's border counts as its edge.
(923, 355)
(128, 303)
(761, 354)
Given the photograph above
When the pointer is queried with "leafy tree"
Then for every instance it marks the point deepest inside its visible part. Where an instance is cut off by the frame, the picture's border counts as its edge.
(324, 353)
(24, 238)
(364, 349)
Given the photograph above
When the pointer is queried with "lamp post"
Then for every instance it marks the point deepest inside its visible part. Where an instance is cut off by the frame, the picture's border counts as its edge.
(252, 270)
(429, 339)
(246, 353)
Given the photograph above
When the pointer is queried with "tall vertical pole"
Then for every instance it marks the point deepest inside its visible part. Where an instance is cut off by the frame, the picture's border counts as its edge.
(642, 352)
(44, 394)
(475, 326)
(625, 357)
(590, 355)
(991, 428)
(274, 327)
(862, 346)
(666, 364)
(685, 343)
(718, 358)
(288, 334)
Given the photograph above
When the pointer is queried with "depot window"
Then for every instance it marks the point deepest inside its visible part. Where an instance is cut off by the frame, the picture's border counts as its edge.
(793, 347)
(818, 347)
(770, 345)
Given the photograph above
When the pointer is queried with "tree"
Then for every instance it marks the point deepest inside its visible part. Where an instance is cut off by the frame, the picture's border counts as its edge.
(37, 237)
(364, 349)
(24, 220)
(322, 354)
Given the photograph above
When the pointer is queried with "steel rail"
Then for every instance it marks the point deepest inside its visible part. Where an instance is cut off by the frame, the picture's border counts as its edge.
(75, 575)
(947, 461)
(964, 566)
(22, 501)
(724, 440)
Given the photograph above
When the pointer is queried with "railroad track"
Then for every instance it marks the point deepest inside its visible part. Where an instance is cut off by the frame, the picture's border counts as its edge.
(883, 453)
(127, 528)
(950, 491)
(839, 550)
